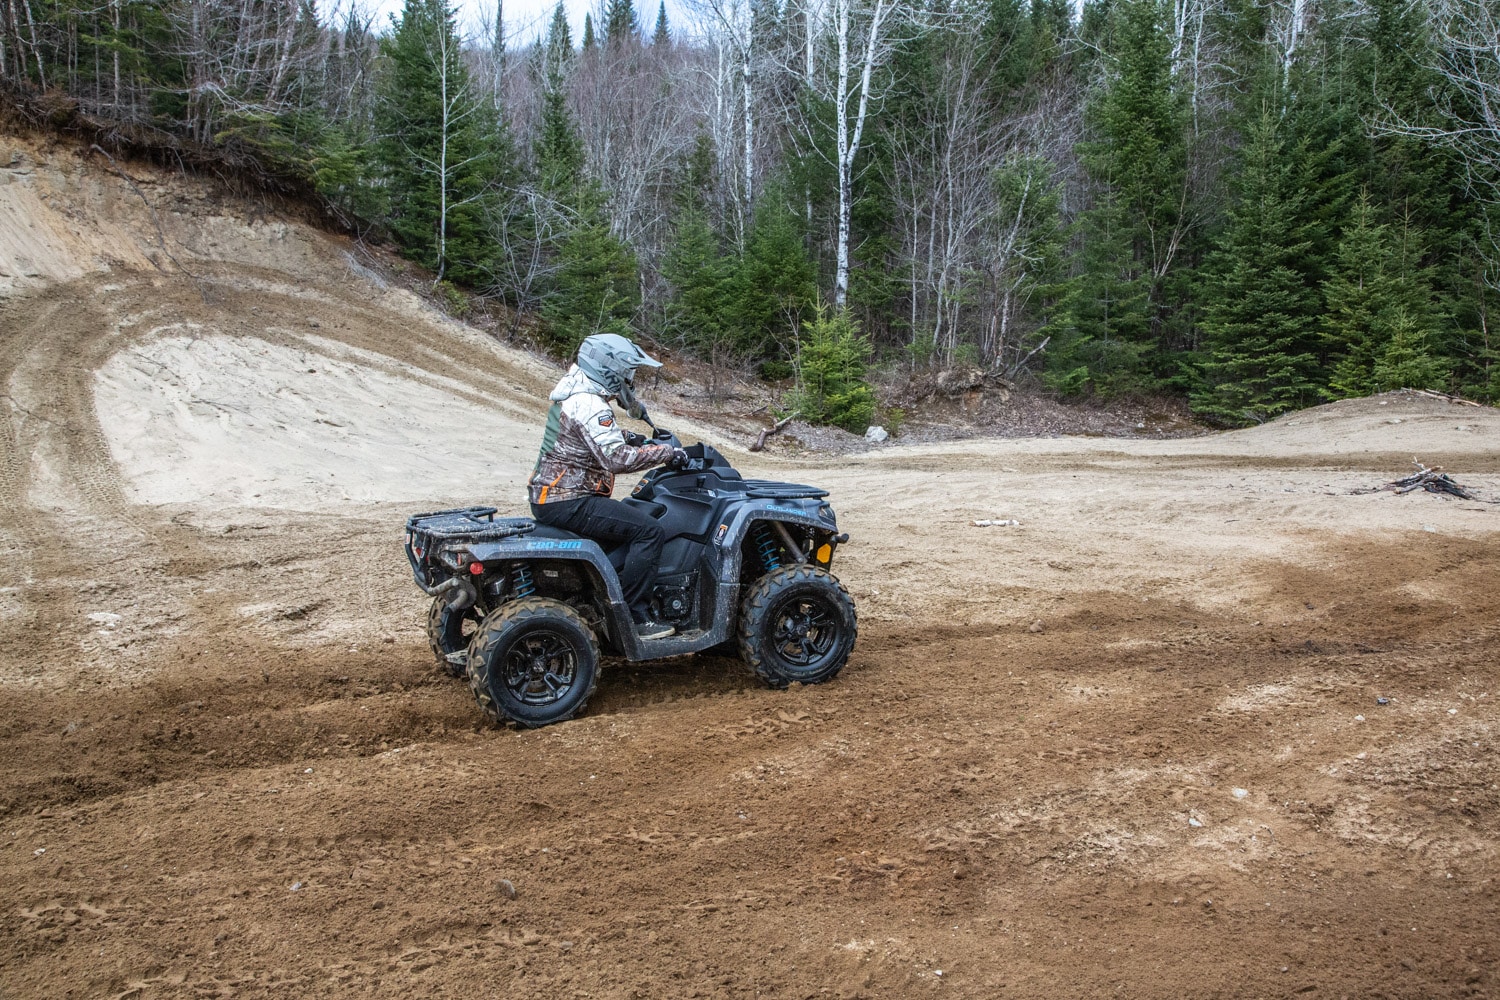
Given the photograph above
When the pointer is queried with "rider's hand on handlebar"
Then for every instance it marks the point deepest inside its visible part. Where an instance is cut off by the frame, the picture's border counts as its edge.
(634, 440)
(678, 459)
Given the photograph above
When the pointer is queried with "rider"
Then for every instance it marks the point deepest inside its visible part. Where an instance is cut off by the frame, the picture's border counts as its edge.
(584, 448)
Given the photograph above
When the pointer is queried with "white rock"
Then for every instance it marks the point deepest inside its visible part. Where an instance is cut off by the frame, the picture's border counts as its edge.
(1359, 718)
(1240, 793)
(1194, 821)
(876, 434)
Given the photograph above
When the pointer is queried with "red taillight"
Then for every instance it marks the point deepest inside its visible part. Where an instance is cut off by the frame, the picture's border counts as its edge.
(476, 568)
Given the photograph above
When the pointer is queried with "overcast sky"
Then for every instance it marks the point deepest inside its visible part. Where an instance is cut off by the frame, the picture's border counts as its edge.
(526, 19)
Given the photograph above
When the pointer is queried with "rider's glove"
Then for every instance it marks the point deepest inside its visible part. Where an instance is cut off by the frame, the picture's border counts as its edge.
(634, 440)
(678, 459)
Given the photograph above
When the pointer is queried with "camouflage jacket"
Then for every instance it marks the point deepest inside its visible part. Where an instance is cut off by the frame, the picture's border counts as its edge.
(583, 447)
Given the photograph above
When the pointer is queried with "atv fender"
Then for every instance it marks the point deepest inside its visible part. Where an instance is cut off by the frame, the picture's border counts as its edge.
(529, 548)
(798, 512)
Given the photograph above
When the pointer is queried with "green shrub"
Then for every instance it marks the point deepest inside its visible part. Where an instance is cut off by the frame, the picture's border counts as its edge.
(832, 358)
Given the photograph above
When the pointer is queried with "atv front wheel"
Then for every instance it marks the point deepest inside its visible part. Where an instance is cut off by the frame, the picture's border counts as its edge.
(797, 624)
(449, 632)
(534, 662)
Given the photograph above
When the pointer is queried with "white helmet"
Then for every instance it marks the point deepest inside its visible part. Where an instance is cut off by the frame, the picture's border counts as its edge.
(611, 360)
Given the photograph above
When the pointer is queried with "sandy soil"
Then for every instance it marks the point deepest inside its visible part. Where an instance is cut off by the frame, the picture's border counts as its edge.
(1207, 723)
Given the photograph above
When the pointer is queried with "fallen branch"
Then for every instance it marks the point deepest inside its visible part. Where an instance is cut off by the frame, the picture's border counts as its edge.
(1433, 480)
(1445, 397)
(1015, 369)
(760, 442)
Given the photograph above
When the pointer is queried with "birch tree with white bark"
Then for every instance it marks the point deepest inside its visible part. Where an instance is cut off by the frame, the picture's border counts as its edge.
(857, 50)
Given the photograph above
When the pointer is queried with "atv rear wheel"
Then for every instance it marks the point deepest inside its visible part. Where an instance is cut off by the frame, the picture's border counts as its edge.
(449, 632)
(797, 624)
(534, 662)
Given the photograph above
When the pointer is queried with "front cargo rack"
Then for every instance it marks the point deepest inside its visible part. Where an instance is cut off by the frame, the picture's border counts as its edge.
(765, 489)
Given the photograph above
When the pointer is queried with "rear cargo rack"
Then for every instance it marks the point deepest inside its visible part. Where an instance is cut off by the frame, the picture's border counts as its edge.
(765, 489)
(472, 523)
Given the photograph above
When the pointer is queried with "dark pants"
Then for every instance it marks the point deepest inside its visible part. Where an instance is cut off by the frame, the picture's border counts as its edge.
(610, 522)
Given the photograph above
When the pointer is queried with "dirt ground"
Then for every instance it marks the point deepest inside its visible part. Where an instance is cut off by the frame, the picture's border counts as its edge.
(1209, 722)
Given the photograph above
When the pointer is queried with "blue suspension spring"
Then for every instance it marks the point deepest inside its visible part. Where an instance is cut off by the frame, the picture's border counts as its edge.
(765, 546)
(524, 585)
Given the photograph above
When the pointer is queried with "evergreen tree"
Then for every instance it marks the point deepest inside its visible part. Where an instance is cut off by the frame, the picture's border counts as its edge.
(774, 284)
(1381, 311)
(832, 359)
(620, 24)
(588, 31)
(558, 151)
(595, 283)
(596, 289)
(1407, 361)
(1418, 184)
(1260, 316)
(441, 148)
(559, 47)
(699, 276)
(1132, 236)
(557, 148)
(662, 36)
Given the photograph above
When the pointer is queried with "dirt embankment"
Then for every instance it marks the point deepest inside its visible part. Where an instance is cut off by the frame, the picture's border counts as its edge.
(1208, 722)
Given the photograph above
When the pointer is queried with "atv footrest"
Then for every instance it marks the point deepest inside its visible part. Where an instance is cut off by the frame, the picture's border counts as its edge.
(676, 644)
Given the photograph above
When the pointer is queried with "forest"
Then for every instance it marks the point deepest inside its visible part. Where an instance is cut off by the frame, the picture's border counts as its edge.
(1254, 205)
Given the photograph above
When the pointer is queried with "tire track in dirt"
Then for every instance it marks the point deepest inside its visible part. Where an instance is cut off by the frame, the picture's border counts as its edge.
(67, 498)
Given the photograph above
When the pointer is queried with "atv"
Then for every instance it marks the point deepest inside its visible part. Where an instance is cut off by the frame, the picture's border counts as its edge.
(524, 610)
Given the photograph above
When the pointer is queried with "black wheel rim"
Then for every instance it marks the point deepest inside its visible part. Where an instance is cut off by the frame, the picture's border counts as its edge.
(540, 668)
(804, 631)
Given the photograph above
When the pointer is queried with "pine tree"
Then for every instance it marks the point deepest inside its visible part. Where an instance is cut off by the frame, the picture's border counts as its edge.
(1419, 184)
(1407, 361)
(441, 149)
(1260, 318)
(662, 36)
(832, 360)
(1381, 311)
(699, 276)
(558, 151)
(1132, 236)
(774, 284)
(588, 31)
(559, 46)
(620, 23)
(596, 289)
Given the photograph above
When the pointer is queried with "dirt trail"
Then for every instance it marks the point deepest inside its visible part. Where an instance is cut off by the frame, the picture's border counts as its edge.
(1208, 722)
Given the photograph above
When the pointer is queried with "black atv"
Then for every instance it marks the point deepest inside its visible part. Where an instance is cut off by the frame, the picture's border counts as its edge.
(523, 609)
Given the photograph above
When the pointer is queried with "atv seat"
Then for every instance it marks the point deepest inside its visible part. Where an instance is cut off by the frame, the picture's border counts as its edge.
(614, 553)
